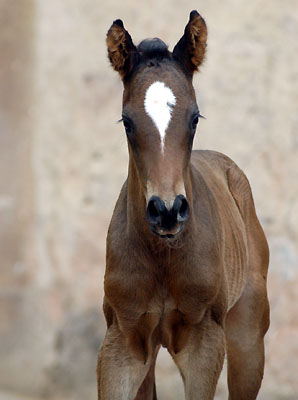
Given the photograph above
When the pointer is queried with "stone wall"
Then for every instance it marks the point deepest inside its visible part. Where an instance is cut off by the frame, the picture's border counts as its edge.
(63, 159)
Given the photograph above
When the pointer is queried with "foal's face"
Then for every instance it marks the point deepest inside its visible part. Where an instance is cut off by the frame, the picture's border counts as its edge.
(160, 116)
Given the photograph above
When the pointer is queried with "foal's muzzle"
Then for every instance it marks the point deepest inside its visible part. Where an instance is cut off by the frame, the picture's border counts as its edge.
(165, 222)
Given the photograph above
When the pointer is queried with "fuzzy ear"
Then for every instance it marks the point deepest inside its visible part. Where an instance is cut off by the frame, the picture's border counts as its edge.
(122, 52)
(190, 50)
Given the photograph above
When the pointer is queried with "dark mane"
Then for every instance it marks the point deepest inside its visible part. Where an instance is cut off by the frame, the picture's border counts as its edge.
(153, 49)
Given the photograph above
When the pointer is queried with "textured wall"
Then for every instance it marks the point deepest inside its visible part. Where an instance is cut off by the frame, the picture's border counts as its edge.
(63, 159)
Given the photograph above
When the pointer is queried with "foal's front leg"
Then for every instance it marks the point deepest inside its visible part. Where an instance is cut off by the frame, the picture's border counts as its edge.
(119, 372)
(200, 361)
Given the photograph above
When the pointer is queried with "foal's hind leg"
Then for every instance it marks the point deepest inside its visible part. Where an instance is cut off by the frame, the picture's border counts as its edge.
(248, 320)
(246, 325)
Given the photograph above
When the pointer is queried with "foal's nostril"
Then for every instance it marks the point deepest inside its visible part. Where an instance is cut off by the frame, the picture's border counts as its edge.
(181, 206)
(152, 211)
(155, 210)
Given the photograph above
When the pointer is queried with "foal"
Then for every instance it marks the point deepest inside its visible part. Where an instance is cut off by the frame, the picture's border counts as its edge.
(187, 258)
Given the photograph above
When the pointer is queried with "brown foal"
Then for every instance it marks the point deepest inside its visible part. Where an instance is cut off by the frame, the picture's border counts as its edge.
(187, 258)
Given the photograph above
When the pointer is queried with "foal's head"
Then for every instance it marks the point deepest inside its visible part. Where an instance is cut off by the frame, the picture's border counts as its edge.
(160, 116)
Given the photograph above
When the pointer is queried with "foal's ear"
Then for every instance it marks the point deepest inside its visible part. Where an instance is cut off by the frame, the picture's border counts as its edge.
(190, 50)
(122, 52)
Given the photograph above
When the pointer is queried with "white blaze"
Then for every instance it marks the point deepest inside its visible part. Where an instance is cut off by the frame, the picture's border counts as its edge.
(159, 104)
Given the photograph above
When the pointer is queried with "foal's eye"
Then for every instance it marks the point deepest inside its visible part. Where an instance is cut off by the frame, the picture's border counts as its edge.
(195, 122)
(127, 125)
